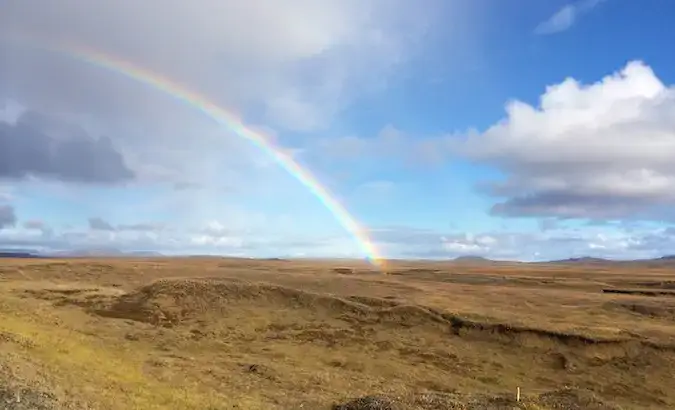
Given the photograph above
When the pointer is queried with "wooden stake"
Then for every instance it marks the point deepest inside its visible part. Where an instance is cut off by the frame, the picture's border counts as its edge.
(518, 394)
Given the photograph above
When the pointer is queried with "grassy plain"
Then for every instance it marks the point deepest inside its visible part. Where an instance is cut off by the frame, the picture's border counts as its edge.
(214, 333)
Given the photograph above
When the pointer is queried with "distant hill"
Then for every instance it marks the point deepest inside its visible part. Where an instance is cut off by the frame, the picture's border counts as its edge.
(588, 260)
(6, 254)
(582, 260)
(472, 259)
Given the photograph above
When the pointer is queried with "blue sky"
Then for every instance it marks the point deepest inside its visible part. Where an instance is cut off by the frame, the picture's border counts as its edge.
(512, 130)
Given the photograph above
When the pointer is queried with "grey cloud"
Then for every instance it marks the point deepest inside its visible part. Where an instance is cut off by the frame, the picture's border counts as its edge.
(27, 149)
(568, 205)
(7, 216)
(598, 151)
(311, 59)
(99, 224)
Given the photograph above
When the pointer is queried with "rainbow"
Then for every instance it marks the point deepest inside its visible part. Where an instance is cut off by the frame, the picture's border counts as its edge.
(234, 124)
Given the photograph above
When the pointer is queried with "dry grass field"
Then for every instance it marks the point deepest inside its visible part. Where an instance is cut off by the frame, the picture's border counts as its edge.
(213, 333)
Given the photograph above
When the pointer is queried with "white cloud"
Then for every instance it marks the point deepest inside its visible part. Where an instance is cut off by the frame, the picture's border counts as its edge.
(601, 151)
(566, 17)
(394, 242)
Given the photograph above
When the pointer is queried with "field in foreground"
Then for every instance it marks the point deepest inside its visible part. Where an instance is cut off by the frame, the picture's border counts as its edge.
(201, 333)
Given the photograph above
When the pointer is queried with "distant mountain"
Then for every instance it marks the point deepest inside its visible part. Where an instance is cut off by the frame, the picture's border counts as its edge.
(472, 259)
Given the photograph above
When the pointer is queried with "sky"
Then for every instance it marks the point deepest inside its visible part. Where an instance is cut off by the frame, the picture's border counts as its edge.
(520, 130)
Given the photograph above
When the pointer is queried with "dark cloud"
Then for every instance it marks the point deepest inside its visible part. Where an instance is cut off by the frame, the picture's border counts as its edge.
(42, 147)
(99, 224)
(568, 205)
(7, 216)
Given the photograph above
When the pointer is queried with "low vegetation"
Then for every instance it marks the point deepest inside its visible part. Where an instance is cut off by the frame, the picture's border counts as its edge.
(210, 333)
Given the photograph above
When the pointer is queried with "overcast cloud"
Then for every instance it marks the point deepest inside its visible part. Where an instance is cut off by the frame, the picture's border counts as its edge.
(298, 62)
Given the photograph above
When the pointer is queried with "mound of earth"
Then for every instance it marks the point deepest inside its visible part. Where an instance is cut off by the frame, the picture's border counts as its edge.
(169, 302)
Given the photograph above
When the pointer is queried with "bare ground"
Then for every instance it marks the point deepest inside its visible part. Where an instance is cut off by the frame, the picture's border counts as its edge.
(210, 333)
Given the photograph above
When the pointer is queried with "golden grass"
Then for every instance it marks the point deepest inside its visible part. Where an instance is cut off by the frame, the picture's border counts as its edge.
(285, 334)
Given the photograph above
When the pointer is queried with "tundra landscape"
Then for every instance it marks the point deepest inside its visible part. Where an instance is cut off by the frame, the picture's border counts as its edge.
(222, 333)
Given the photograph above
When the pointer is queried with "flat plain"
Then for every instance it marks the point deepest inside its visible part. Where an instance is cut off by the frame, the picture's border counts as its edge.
(221, 333)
